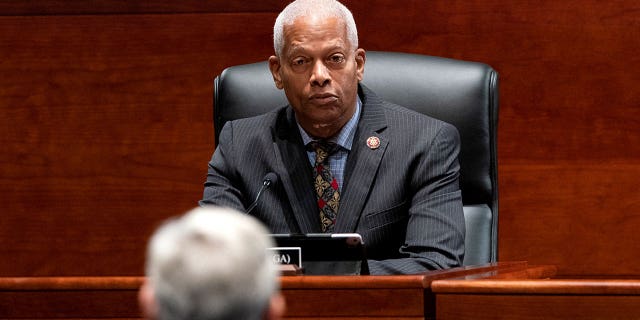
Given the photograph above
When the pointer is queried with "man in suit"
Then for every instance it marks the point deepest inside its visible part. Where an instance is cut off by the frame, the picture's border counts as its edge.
(388, 173)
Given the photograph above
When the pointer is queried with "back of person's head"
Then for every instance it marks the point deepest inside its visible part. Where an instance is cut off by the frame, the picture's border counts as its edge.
(211, 263)
(319, 8)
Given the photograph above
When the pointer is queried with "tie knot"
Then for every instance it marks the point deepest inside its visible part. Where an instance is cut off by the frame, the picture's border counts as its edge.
(323, 149)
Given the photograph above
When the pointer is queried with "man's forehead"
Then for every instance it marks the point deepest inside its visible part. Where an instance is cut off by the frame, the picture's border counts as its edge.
(305, 35)
(297, 47)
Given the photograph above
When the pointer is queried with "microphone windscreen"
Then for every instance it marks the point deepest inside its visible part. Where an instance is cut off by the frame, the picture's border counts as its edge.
(271, 177)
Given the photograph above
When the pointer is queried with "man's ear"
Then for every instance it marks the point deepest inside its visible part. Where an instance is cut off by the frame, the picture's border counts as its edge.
(361, 58)
(275, 66)
(277, 307)
(147, 301)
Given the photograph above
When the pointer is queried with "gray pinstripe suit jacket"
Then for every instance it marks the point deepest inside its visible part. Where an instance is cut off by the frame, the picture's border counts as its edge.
(403, 197)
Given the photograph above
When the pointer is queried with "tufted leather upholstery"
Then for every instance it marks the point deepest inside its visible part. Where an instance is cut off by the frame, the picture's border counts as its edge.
(462, 93)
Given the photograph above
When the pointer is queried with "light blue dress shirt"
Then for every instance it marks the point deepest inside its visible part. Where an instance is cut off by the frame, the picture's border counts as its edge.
(344, 139)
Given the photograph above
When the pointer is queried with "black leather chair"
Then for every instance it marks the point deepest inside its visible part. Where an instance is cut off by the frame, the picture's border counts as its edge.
(462, 93)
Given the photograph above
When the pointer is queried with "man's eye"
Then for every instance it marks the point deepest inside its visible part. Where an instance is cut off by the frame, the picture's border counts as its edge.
(337, 58)
(298, 62)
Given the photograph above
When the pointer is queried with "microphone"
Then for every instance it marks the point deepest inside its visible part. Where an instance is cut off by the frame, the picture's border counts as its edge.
(269, 179)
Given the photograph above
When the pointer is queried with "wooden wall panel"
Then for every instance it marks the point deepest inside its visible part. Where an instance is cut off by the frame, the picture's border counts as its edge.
(105, 120)
(67, 7)
(106, 130)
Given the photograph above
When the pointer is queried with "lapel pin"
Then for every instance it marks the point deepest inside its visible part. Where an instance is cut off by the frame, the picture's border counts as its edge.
(373, 142)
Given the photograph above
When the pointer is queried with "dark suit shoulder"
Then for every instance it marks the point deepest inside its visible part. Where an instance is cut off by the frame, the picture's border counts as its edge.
(256, 127)
(260, 120)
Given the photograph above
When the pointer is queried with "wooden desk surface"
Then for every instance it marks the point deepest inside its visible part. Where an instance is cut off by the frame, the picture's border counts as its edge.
(308, 297)
(537, 299)
(507, 290)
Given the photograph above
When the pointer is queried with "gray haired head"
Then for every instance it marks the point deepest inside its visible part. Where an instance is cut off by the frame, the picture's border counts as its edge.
(319, 8)
(211, 263)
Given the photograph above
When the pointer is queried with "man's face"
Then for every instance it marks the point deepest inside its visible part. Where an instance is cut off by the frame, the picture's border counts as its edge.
(319, 72)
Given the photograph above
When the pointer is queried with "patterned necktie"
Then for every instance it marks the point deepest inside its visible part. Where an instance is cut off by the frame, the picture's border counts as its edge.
(326, 186)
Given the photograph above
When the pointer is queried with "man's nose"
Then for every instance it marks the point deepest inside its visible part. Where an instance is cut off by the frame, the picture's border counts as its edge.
(319, 74)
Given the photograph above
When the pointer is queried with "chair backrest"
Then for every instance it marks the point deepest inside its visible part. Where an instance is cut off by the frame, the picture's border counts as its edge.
(462, 93)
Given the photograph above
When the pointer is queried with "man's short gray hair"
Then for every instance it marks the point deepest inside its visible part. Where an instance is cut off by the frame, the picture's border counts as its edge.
(212, 263)
(304, 8)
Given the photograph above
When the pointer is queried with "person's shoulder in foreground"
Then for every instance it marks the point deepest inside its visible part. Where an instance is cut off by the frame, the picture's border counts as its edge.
(211, 263)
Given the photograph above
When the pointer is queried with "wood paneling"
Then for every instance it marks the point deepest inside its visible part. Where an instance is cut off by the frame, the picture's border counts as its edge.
(537, 299)
(70, 298)
(579, 216)
(105, 120)
(523, 307)
(73, 7)
(105, 131)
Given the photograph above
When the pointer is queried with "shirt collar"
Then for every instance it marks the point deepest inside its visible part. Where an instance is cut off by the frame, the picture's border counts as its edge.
(345, 136)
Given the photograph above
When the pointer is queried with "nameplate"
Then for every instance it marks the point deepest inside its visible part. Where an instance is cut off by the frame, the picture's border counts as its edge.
(287, 255)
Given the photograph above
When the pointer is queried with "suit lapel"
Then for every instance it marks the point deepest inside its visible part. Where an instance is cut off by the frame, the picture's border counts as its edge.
(295, 170)
(361, 169)
(362, 163)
